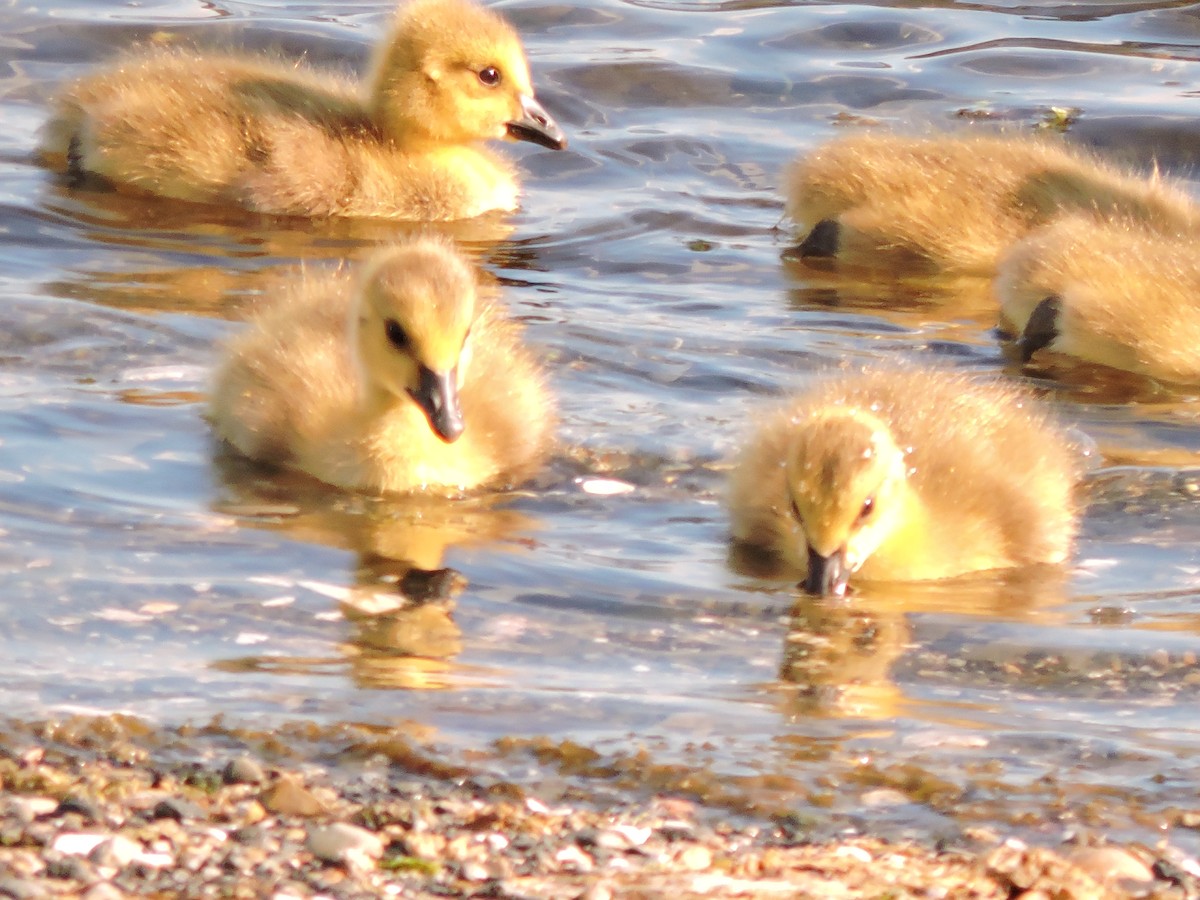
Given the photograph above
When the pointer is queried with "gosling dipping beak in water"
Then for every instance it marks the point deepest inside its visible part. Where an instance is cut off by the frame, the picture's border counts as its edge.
(904, 475)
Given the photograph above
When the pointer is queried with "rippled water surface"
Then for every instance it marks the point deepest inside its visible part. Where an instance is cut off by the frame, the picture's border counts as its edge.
(145, 571)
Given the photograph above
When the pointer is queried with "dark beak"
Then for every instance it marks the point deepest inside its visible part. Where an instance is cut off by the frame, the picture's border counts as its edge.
(827, 575)
(535, 124)
(821, 243)
(437, 395)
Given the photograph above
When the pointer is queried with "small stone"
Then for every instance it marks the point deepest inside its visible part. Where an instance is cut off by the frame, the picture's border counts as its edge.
(179, 809)
(677, 830)
(250, 812)
(71, 867)
(146, 861)
(19, 889)
(115, 853)
(243, 770)
(290, 798)
(26, 809)
(345, 844)
(633, 834)
(496, 842)
(250, 835)
(474, 871)
(695, 858)
(80, 806)
(853, 852)
(608, 839)
(76, 844)
(572, 859)
(104, 890)
(1108, 863)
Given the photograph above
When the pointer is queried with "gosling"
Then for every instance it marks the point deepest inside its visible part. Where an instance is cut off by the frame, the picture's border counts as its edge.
(954, 204)
(280, 138)
(1111, 293)
(904, 475)
(404, 379)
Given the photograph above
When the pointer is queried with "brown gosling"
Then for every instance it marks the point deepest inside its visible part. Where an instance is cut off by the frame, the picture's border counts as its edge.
(905, 475)
(402, 379)
(954, 204)
(1112, 293)
(281, 138)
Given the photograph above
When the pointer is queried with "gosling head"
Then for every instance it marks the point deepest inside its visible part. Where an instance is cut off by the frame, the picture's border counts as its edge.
(411, 330)
(454, 72)
(845, 476)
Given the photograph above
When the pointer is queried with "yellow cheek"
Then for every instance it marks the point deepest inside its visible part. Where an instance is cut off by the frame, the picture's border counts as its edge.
(441, 354)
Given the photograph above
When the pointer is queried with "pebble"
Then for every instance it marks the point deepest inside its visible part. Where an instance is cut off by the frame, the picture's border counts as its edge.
(178, 808)
(71, 867)
(290, 798)
(607, 839)
(695, 858)
(1110, 864)
(19, 889)
(115, 853)
(26, 809)
(456, 838)
(243, 770)
(855, 853)
(76, 844)
(883, 797)
(474, 871)
(79, 805)
(572, 859)
(345, 844)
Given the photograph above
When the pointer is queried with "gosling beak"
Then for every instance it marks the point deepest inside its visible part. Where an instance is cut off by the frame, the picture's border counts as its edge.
(827, 575)
(821, 243)
(534, 124)
(437, 395)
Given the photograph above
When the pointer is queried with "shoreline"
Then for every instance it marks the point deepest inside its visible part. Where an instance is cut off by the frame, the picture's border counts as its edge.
(111, 806)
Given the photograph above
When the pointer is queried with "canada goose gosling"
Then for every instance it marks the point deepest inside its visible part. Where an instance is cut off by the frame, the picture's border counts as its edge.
(282, 139)
(401, 379)
(904, 475)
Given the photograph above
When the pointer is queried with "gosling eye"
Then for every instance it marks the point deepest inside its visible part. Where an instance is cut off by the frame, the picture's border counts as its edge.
(489, 76)
(396, 335)
(867, 508)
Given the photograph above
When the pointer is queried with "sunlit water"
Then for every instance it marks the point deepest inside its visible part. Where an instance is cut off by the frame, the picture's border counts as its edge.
(145, 571)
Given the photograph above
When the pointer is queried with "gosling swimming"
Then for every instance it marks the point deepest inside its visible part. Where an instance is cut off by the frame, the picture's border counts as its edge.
(281, 138)
(405, 378)
(954, 204)
(1112, 293)
(904, 475)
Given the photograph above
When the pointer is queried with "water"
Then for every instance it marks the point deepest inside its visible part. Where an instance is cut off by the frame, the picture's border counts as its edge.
(145, 571)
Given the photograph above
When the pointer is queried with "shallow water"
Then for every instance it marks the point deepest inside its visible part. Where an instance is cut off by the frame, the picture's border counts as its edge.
(144, 571)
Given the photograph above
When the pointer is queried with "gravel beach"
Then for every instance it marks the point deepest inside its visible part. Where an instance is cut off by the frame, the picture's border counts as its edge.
(102, 807)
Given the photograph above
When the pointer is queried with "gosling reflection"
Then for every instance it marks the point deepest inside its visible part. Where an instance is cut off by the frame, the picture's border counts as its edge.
(943, 307)
(839, 656)
(400, 604)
